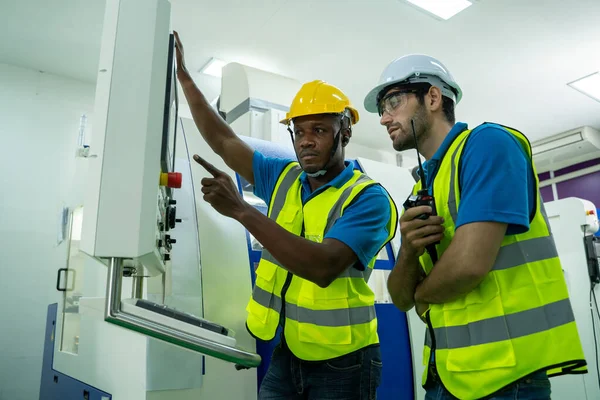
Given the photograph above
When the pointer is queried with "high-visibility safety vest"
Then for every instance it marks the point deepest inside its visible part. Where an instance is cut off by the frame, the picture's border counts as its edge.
(518, 321)
(319, 323)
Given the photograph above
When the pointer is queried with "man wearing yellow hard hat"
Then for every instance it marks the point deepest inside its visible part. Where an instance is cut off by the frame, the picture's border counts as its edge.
(326, 224)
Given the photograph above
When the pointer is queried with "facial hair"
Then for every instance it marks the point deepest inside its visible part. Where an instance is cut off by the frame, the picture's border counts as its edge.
(406, 138)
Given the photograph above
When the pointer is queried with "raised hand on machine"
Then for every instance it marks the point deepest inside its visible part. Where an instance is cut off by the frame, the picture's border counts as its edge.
(181, 68)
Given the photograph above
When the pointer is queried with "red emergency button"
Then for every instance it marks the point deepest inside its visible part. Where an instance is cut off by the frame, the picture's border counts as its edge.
(171, 179)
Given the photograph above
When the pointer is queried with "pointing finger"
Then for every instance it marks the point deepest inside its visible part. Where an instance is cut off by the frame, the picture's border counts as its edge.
(207, 166)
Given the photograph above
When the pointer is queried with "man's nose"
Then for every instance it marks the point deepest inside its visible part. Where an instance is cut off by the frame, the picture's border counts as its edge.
(385, 118)
(307, 142)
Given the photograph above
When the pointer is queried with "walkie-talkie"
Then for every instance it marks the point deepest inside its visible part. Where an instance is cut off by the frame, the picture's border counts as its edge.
(422, 198)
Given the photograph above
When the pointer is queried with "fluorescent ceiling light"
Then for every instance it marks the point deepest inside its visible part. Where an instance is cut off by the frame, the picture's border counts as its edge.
(444, 9)
(588, 85)
(213, 67)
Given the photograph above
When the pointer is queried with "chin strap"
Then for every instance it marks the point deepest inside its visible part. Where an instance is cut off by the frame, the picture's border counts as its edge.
(322, 171)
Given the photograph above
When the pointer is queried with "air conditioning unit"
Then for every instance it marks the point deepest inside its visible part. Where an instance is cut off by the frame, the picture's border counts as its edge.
(566, 149)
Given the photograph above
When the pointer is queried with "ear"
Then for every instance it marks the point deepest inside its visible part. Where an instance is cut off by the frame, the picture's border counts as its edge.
(434, 99)
(346, 135)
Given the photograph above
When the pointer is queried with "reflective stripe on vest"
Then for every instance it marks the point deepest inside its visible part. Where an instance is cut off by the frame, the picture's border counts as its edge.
(340, 317)
(281, 194)
(506, 327)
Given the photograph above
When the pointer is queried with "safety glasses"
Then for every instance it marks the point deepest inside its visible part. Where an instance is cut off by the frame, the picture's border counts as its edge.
(394, 101)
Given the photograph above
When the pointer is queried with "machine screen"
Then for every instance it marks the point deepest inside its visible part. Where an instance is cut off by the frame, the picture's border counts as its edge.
(167, 155)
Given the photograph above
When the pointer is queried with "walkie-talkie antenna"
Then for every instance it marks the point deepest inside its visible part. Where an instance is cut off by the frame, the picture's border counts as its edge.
(421, 173)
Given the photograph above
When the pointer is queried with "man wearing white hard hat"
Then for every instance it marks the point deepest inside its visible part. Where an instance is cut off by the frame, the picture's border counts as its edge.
(477, 258)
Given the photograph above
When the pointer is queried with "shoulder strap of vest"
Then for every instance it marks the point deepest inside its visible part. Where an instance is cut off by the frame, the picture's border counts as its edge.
(524, 140)
(288, 176)
(336, 211)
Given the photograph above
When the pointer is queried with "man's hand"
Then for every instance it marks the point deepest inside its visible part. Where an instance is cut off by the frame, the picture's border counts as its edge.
(420, 308)
(181, 69)
(221, 192)
(417, 233)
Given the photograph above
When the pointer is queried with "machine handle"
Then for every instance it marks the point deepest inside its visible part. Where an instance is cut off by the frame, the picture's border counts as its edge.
(58, 280)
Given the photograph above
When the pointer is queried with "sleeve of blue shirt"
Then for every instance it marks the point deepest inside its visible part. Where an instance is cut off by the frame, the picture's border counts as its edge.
(364, 225)
(266, 172)
(496, 180)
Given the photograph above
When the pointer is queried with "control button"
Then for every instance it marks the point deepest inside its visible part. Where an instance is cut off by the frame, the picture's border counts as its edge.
(171, 179)
(169, 240)
(171, 219)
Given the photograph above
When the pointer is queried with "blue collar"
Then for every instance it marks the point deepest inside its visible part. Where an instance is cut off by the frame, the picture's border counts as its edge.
(430, 166)
(456, 130)
(336, 182)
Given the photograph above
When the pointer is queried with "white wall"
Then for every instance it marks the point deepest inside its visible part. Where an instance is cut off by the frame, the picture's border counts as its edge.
(387, 156)
(355, 150)
(39, 123)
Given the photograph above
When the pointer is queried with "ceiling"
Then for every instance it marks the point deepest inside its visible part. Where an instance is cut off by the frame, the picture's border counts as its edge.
(512, 58)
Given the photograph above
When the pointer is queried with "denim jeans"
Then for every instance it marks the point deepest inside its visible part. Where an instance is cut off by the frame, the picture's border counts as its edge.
(532, 387)
(354, 376)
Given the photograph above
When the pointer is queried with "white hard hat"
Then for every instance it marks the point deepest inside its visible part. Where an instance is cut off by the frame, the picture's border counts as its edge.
(411, 69)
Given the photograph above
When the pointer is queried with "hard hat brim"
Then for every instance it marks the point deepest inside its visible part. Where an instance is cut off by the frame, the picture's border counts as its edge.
(353, 111)
(370, 102)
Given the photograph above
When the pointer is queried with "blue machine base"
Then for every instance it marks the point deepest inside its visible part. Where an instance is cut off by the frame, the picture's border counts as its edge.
(56, 385)
(397, 374)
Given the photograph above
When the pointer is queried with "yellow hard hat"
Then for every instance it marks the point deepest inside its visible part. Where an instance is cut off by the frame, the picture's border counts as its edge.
(319, 97)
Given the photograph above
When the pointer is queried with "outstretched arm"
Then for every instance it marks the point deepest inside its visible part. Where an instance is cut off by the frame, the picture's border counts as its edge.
(217, 133)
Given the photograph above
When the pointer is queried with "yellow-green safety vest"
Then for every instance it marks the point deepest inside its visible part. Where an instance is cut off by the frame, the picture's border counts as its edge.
(320, 323)
(518, 321)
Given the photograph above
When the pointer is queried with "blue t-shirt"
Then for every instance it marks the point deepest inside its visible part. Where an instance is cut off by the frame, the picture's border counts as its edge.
(496, 178)
(364, 225)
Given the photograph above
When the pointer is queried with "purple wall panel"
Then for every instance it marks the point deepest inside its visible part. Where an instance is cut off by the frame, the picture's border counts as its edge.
(577, 167)
(547, 195)
(585, 187)
(544, 175)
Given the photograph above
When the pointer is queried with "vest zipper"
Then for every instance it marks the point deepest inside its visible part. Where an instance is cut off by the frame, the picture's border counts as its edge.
(286, 285)
(433, 367)
(284, 289)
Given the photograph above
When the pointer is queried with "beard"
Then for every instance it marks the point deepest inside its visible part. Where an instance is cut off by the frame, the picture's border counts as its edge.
(405, 139)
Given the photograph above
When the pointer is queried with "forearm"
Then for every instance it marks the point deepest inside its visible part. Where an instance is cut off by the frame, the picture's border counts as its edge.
(448, 280)
(210, 124)
(302, 257)
(403, 281)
